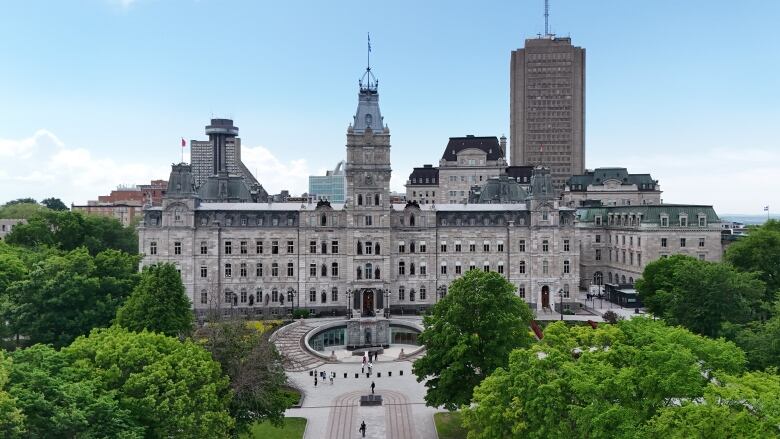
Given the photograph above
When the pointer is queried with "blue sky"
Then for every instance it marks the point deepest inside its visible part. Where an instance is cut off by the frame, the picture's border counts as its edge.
(95, 93)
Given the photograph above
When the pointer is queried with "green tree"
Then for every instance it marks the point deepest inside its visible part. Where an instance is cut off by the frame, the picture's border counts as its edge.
(168, 387)
(54, 204)
(11, 417)
(27, 200)
(607, 382)
(254, 367)
(760, 339)
(12, 269)
(734, 406)
(67, 295)
(68, 230)
(759, 252)
(699, 295)
(58, 403)
(159, 303)
(20, 211)
(468, 335)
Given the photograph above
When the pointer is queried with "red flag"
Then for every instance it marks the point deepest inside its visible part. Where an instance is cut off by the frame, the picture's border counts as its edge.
(183, 142)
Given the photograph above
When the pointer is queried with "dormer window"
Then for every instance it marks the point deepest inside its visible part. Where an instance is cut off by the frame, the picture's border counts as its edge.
(177, 215)
(664, 221)
(702, 221)
(683, 221)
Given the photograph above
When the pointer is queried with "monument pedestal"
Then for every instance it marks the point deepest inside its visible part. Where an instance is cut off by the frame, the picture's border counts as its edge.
(367, 331)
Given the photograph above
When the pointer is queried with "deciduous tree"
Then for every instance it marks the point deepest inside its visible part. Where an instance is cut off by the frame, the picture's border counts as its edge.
(759, 252)
(468, 335)
(54, 204)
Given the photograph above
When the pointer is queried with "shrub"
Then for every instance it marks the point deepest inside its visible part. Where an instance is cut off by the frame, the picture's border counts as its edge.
(611, 317)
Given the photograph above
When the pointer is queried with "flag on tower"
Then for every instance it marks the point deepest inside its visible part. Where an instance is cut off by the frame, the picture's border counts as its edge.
(369, 42)
(183, 142)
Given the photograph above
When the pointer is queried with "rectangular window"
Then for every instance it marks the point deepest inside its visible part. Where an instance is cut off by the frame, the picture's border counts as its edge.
(334, 270)
(422, 247)
(204, 297)
(204, 271)
(204, 248)
(312, 296)
(472, 247)
(639, 259)
(545, 245)
(275, 247)
(228, 247)
(500, 247)
(639, 241)
(401, 294)
(663, 242)
(259, 247)
(401, 247)
(443, 269)
(701, 256)
(423, 270)
(177, 248)
(368, 248)
(701, 242)
(290, 269)
(401, 268)
(521, 291)
(443, 247)
(313, 247)
(458, 269)
(486, 247)
(369, 220)
(312, 270)
(228, 270)
(259, 270)
(500, 269)
(565, 245)
(275, 269)
(486, 267)
(598, 254)
(664, 221)
(290, 247)
(683, 221)
(631, 258)
(682, 242)
(566, 267)
(522, 246)
(334, 247)
(624, 239)
(243, 247)
(702, 221)
(152, 248)
(458, 247)
(598, 238)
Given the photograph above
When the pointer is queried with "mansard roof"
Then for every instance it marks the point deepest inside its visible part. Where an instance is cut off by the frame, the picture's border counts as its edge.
(650, 213)
(599, 175)
(419, 175)
(489, 145)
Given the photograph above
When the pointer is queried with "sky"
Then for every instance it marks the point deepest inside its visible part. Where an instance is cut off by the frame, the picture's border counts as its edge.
(98, 93)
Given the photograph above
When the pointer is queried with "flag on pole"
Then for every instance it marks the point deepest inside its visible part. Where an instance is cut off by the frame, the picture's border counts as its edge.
(369, 42)
(183, 142)
(766, 208)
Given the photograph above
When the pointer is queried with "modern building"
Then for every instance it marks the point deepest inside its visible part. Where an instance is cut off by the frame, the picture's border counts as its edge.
(547, 106)
(202, 154)
(611, 187)
(329, 187)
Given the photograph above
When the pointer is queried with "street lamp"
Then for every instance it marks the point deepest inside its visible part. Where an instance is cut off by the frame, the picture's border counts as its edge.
(349, 301)
(291, 299)
(387, 303)
(560, 294)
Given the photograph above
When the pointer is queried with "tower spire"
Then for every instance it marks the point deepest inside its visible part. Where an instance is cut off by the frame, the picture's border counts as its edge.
(368, 83)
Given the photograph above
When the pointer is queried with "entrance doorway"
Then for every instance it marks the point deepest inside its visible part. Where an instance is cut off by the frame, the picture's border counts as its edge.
(545, 296)
(368, 303)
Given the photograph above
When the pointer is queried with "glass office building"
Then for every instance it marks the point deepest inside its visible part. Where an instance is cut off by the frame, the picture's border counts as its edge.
(332, 186)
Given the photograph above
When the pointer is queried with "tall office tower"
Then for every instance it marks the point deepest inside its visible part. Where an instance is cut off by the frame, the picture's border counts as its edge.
(202, 153)
(547, 106)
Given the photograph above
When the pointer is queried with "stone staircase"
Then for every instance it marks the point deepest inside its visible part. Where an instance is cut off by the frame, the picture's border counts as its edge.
(289, 343)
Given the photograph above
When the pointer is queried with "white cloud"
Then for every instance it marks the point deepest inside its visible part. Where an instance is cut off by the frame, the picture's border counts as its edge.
(42, 166)
(124, 3)
(274, 174)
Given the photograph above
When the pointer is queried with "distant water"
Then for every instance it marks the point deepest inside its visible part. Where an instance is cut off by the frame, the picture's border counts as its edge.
(748, 219)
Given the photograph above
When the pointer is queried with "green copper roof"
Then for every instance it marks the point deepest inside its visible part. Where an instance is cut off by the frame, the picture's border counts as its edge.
(651, 214)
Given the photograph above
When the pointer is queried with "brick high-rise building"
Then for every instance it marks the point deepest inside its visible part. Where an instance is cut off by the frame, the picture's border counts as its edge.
(547, 107)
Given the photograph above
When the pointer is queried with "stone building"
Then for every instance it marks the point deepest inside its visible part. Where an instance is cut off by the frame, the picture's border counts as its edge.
(547, 106)
(366, 255)
(7, 225)
(619, 241)
(611, 187)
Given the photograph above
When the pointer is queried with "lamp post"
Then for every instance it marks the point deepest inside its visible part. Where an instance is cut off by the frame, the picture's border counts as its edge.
(560, 295)
(349, 301)
(291, 299)
(387, 303)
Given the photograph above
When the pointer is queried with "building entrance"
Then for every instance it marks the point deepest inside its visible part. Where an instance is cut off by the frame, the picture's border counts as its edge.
(368, 303)
(545, 296)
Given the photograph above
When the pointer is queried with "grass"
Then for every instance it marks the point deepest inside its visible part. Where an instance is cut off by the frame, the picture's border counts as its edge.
(291, 396)
(448, 425)
(293, 429)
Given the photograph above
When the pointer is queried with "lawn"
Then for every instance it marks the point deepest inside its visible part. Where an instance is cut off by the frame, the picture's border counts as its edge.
(293, 429)
(448, 425)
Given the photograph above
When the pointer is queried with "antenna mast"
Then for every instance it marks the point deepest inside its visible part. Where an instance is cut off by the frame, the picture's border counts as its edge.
(546, 17)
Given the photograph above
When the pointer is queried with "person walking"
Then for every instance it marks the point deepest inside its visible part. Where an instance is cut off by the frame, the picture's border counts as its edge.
(372, 387)
(370, 367)
(315, 382)
(362, 428)
(332, 375)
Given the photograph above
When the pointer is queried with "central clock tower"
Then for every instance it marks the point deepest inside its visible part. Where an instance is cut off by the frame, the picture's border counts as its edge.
(368, 151)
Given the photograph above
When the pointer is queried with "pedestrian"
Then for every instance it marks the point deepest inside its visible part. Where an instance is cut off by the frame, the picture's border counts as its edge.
(364, 358)
(332, 375)
(362, 428)
(315, 382)
(372, 387)
(363, 369)
(370, 366)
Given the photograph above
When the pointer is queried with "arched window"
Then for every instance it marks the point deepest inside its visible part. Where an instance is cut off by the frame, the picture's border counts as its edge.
(376, 273)
(323, 220)
(376, 248)
(598, 278)
(610, 277)
(411, 247)
(631, 280)
(323, 297)
(411, 295)
(411, 269)
(359, 248)
(623, 279)
(376, 199)
(359, 273)
(369, 269)
(411, 223)
(360, 199)
(251, 300)
(323, 270)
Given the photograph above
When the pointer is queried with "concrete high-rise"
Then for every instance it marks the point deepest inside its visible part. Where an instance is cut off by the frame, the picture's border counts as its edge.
(202, 156)
(547, 107)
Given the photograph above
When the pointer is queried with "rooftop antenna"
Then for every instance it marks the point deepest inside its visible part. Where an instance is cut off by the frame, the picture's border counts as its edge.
(546, 18)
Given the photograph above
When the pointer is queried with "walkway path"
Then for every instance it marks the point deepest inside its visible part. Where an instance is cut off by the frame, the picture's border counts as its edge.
(289, 340)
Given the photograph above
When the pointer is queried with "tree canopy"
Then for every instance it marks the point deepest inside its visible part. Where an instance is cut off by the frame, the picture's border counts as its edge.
(759, 252)
(254, 367)
(700, 295)
(159, 303)
(20, 210)
(54, 204)
(607, 382)
(469, 334)
(68, 230)
(114, 383)
(67, 295)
